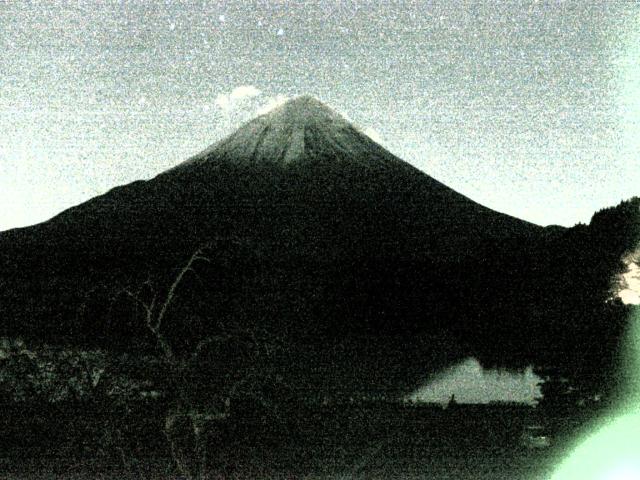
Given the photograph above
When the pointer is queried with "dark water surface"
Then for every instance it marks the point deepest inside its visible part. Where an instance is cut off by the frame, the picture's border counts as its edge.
(339, 442)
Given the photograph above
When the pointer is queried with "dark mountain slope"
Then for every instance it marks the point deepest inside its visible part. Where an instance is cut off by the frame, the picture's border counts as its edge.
(301, 165)
(317, 234)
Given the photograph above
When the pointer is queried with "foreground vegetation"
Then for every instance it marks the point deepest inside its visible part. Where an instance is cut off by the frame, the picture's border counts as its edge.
(377, 440)
(87, 414)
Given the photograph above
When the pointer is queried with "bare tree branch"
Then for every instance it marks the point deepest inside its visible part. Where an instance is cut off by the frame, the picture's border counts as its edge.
(154, 317)
(197, 256)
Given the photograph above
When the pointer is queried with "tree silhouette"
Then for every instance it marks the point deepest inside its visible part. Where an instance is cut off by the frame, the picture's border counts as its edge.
(201, 382)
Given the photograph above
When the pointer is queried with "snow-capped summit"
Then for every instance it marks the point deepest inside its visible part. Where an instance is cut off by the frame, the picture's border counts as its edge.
(303, 110)
(301, 130)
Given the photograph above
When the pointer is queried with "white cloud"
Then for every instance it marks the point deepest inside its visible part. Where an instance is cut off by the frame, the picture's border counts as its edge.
(239, 105)
(244, 91)
(236, 98)
(245, 102)
(222, 101)
(271, 103)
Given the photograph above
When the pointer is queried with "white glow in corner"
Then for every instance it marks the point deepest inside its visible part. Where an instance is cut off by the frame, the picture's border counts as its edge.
(611, 453)
(624, 472)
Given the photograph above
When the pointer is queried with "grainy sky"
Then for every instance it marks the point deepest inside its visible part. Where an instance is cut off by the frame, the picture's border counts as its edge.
(531, 108)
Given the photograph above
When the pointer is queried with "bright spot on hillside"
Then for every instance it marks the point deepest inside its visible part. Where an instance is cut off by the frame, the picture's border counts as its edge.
(630, 283)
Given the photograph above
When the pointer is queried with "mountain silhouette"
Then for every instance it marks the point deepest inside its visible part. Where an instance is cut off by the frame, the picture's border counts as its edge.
(315, 233)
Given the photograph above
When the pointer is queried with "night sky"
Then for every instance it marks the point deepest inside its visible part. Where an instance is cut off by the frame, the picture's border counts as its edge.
(530, 108)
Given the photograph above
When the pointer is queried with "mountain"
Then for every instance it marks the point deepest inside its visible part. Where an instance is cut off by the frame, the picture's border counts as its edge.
(315, 233)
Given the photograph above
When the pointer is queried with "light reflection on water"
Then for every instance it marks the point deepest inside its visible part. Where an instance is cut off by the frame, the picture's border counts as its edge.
(471, 383)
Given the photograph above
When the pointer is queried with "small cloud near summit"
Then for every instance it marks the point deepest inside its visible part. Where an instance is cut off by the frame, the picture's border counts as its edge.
(243, 103)
(238, 94)
(245, 91)
(272, 103)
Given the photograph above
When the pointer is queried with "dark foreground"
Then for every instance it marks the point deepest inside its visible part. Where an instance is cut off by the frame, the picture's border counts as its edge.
(340, 442)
